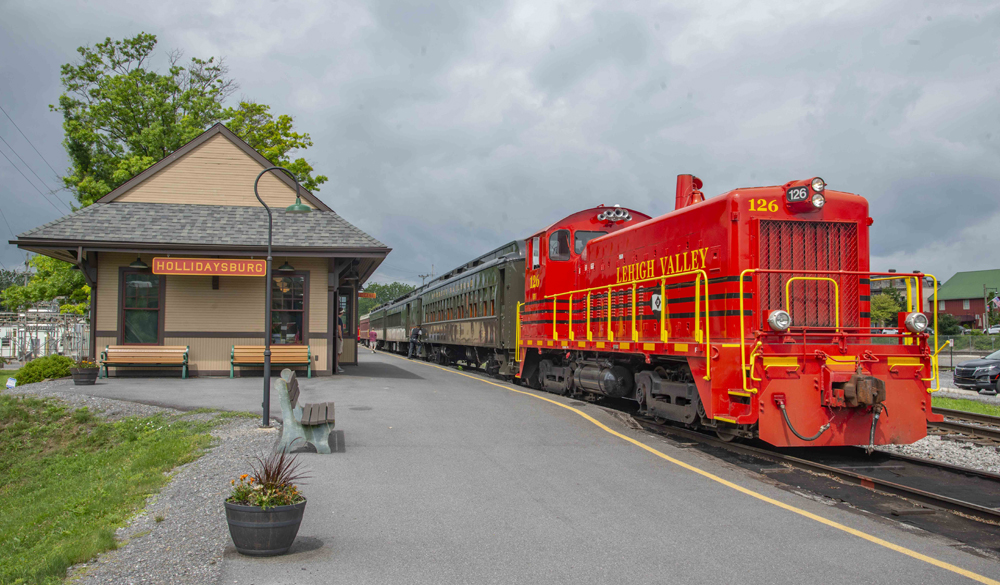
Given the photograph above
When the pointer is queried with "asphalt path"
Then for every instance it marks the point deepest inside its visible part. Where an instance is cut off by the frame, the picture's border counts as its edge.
(449, 478)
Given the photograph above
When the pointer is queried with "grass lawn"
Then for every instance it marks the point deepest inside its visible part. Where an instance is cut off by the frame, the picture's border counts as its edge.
(967, 405)
(68, 480)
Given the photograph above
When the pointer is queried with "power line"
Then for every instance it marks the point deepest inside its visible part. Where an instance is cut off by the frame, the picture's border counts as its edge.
(12, 234)
(40, 180)
(30, 183)
(29, 141)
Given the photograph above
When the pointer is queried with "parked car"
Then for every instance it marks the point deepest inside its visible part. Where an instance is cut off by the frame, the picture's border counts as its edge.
(982, 374)
(993, 330)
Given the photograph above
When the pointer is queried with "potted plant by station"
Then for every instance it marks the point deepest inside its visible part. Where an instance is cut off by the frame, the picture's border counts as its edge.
(265, 507)
(84, 372)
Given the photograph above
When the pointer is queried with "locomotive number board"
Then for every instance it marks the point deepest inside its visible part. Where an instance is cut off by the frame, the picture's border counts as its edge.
(796, 194)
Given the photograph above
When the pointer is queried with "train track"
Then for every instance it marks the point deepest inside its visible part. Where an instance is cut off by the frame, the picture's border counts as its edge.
(930, 483)
(983, 430)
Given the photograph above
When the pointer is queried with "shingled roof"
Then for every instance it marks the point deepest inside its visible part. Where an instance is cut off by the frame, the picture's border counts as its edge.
(968, 285)
(184, 225)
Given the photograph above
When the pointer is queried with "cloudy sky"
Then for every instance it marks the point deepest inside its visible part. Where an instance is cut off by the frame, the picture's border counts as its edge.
(448, 128)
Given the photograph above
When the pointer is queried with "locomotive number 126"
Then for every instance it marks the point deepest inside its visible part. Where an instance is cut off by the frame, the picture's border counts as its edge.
(764, 205)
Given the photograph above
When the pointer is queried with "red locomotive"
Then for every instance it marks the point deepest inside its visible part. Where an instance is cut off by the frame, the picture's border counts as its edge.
(746, 313)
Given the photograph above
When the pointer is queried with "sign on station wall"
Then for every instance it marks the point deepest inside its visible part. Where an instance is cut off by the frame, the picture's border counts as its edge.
(210, 266)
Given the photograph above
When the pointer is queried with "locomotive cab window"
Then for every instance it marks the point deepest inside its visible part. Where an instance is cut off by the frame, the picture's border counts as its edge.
(580, 239)
(536, 243)
(559, 245)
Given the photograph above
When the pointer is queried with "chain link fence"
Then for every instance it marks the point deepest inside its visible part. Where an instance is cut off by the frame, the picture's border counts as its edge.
(965, 348)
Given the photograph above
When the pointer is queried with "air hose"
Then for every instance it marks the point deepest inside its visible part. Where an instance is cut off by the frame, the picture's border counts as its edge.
(822, 429)
(871, 436)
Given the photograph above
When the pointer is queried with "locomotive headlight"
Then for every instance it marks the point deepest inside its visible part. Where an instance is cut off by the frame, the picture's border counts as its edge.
(818, 185)
(916, 322)
(818, 200)
(779, 320)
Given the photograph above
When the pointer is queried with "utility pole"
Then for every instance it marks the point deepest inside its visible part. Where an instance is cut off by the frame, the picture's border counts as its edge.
(423, 277)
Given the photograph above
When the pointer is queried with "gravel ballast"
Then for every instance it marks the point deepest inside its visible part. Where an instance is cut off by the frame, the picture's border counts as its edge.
(187, 543)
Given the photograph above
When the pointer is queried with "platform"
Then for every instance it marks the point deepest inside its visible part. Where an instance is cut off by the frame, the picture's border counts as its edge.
(451, 478)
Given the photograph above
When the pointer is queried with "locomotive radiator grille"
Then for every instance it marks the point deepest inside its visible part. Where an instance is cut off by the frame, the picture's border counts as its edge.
(801, 245)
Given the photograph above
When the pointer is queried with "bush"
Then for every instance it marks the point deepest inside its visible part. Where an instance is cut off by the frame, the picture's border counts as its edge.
(48, 367)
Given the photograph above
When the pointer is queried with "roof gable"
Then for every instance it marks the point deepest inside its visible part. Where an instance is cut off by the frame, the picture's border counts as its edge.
(968, 285)
(215, 168)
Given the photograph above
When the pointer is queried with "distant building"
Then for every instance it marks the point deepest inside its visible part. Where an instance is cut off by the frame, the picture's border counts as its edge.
(964, 296)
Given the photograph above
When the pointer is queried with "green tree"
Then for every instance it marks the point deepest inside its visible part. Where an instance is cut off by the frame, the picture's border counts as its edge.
(52, 279)
(948, 325)
(273, 138)
(885, 307)
(121, 116)
(9, 278)
(383, 294)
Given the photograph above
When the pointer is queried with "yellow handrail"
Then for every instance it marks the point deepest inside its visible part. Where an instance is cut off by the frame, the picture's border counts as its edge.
(555, 311)
(571, 336)
(935, 367)
(700, 290)
(836, 295)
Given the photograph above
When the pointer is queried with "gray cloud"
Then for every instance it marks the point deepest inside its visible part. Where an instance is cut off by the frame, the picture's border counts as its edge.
(450, 128)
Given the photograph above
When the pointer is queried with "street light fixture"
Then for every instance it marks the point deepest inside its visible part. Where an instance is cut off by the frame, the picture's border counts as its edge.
(297, 207)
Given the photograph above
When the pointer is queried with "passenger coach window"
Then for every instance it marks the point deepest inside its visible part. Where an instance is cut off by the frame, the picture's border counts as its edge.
(580, 240)
(559, 245)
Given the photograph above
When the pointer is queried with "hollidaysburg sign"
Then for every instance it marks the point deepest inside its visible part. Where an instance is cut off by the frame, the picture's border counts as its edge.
(209, 266)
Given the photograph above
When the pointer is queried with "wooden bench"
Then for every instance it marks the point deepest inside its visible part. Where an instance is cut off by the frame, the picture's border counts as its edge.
(312, 423)
(145, 356)
(281, 355)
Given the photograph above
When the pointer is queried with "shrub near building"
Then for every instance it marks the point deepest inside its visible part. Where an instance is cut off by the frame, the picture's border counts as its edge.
(44, 368)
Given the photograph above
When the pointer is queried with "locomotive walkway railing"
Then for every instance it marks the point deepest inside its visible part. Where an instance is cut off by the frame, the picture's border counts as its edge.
(701, 291)
(913, 303)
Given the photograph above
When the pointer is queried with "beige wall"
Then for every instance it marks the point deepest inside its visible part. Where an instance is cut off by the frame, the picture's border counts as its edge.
(193, 309)
(215, 173)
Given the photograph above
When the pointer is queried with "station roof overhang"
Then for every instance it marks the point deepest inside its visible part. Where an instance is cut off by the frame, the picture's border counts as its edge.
(205, 230)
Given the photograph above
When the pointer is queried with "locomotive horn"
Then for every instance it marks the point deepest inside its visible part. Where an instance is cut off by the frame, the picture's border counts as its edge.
(620, 213)
(602, 216)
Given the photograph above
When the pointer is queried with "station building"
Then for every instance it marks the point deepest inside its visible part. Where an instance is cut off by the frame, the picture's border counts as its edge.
(965, 295)
(168, 256)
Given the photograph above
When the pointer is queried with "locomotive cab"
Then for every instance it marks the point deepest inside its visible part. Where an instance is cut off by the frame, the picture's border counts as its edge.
(554, 253)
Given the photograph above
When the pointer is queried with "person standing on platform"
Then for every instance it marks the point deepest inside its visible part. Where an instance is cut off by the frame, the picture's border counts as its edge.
(340, 339)
(415, 334)
(372, 339)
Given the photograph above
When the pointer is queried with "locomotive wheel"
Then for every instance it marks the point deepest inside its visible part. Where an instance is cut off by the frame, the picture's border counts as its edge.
(725, 434)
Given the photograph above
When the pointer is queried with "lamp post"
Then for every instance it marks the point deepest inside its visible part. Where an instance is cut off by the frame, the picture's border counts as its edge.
(297, 207)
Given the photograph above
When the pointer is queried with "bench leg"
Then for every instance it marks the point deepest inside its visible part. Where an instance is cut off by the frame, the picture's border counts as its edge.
(292, 435)
(231, 368)
(309, 370)
(184, 372)
(319, 436)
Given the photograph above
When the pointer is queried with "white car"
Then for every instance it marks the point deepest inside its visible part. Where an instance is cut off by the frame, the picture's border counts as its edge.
(993, 330)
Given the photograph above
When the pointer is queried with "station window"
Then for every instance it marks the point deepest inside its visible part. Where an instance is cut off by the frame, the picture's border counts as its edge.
(580, 239)
(559, 245)
(940, 305)
(965, 304)
(287, 309)
(142, 300)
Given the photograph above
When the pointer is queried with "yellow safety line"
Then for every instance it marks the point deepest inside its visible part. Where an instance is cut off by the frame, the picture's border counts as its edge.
(873, 539)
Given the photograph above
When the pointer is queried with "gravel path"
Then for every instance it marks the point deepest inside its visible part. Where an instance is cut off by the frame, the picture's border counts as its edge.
(187, 544)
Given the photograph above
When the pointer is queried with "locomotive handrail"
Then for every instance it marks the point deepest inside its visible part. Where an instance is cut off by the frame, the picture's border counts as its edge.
(699, 289)
(935, 366)
(836, 294)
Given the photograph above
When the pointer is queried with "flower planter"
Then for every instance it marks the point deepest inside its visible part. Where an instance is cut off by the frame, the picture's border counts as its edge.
(84, 376)
(264, 533)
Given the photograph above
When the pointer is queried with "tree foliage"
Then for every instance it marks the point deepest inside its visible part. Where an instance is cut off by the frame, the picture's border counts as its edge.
(121, 116)
(885, 307)
(948, 325)
(273, 138)
(9, 278)
(383, 294)
(52, 279)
